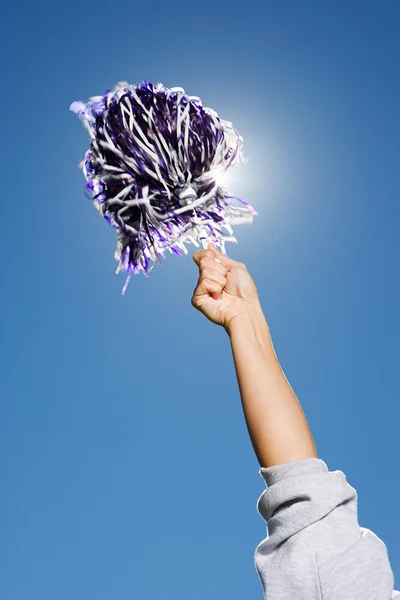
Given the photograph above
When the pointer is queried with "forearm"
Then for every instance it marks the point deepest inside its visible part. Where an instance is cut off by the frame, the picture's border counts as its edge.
(275, 420)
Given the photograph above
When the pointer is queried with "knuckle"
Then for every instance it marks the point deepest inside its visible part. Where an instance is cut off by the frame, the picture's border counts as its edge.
(206, 273)
(206, 260)
(212, 284)
(210, 262)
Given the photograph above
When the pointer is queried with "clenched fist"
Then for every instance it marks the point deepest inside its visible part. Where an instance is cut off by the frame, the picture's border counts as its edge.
(225, 288)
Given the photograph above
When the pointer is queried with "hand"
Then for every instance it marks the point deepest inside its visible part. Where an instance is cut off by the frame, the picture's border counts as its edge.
(225, 288)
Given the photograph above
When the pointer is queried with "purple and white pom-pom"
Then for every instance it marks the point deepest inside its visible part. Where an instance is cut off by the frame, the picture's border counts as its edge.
(153, 168)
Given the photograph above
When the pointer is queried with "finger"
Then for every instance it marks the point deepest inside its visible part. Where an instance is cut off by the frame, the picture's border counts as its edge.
(211, 263)
(197, 256)
(213, 275)
(213, 248)
(223, 259)
(214, 254)
(208, 287)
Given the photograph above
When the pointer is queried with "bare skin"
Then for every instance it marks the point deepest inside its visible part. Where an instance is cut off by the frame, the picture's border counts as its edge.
(227, 295)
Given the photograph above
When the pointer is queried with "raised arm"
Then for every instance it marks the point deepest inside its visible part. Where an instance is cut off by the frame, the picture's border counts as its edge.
(275, 420)
(227, 295)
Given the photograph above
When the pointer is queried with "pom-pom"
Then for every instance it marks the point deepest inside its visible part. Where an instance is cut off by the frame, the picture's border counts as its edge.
(154, 169)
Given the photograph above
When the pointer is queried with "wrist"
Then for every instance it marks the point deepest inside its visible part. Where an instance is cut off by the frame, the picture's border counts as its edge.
(249, 336)
(251, 316)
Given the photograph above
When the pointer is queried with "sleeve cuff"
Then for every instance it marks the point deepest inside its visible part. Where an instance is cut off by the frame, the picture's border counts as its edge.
(304, 466)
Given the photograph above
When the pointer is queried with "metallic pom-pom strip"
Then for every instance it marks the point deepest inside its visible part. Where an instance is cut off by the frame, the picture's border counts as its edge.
(153, 170)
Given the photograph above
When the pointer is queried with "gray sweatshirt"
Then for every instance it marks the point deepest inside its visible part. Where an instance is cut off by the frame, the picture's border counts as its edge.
(315, 548)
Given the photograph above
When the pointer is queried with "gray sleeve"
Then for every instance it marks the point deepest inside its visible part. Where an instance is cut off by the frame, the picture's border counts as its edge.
(315, 548)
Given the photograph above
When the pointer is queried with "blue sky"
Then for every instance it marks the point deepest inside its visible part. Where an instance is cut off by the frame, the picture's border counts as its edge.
(126, 467)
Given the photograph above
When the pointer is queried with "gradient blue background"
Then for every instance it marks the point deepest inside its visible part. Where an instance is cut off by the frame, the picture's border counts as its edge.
(126, 467)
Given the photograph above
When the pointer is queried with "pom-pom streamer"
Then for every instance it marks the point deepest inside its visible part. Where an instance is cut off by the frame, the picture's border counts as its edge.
(154, 170)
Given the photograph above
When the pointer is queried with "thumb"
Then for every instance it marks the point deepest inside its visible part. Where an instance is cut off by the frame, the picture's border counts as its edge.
(222, 258)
